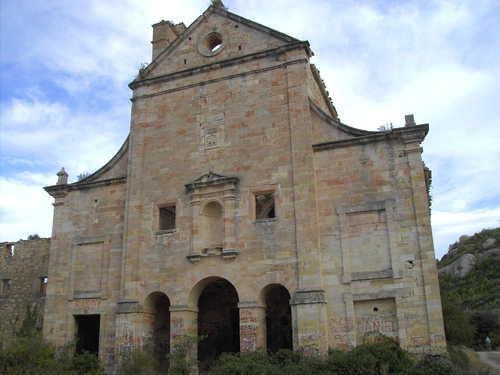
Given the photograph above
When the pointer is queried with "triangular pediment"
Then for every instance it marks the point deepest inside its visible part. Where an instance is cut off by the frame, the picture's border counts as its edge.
(234, 36)
(211, 179)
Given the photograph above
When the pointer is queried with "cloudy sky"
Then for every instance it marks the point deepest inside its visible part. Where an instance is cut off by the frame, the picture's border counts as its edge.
(64, 100)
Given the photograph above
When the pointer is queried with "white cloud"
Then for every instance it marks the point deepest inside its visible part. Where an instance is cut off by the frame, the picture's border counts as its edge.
(25, 208)
(449, 226)
(54, 134)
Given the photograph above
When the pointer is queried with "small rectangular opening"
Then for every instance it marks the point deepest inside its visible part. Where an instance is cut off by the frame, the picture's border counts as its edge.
(87, 333)
(264, 206)
(43, 286)
(167, 217)
(11, 249)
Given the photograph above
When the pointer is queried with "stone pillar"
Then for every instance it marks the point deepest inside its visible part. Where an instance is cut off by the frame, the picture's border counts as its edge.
(436, 342)
(133, 328)
(184, 331)
(196, 227)
(309, 317)
(252, 326)
(229, 216)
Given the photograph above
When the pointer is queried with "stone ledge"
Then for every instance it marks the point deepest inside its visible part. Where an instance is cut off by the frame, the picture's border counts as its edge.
(128, 307)
(80, 294)
(308, 297)
(224, 253)
(369, 275)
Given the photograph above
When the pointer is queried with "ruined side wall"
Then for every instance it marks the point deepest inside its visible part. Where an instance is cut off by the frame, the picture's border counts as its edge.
(85, 263)
(25, 269)
(379, 266)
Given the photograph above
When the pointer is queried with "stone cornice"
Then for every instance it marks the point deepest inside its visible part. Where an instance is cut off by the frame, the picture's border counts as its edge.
(110, 164)
(58, 191)
(211, 179)
(415, 133)
(223, 78)
(219, 64)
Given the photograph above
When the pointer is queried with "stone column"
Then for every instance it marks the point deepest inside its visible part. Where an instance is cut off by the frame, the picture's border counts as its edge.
(133, 328)
(184, 332)
(436, 342)
(309, 316)
(196, 229)
(229, 213)
(252, 326)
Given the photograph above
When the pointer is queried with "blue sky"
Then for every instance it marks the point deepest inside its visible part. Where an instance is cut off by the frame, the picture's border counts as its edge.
(64, 100)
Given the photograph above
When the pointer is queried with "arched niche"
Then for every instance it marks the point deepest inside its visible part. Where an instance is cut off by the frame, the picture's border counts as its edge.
(212, 226)
(213, 207)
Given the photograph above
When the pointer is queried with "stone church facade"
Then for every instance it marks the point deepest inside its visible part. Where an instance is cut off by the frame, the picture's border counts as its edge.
(241, 209)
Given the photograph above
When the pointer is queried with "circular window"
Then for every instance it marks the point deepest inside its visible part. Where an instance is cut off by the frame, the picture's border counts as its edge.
(211, 44)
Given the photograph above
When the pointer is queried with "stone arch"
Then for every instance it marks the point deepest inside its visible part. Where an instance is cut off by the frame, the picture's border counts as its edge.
(279, 334)
(218, 318)
(212, 225)
(157, 312)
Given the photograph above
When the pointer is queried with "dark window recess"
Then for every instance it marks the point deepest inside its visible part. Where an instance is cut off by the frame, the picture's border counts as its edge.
(167, 218)
(43, 286)
(264, 206)
(87, 333)
(6, 284)
(11, 249)
(214, 42)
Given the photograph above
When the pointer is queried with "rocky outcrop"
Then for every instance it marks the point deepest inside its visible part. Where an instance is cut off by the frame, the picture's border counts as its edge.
(461, 266)
(464, 254)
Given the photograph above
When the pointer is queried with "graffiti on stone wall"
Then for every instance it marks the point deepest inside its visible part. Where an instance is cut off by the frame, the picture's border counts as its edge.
(248, 331)
(126, 340)
(176, 327)
(340, 328)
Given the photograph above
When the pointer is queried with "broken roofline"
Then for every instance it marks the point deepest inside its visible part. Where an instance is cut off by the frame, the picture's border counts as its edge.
(219, 64)
(414, 133)
(222, 11)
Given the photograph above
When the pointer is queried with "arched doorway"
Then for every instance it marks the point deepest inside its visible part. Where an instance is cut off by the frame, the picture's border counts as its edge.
(218, 321)
(158, 306)
(278, 318)
(212, 226)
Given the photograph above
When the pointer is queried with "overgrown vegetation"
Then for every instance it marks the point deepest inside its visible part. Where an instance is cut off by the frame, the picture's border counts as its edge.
(471, 305)
(381, 358)
(470, 245)
(28, 354)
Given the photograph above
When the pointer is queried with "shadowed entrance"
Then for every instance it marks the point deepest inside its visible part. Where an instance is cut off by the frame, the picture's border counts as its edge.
(158, 306)
(278, 318)
(218, 322)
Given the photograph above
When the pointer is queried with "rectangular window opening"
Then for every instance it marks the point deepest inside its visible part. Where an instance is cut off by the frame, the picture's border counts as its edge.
(167, 217)
(11, 249)
(264, 206)
(43, 286)
(87, 333)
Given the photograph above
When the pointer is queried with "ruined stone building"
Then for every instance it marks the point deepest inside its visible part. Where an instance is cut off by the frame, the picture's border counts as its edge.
(241, 208)
(23, 281)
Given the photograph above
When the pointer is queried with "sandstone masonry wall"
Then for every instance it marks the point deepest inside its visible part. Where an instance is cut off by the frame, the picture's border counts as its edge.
(25, 265)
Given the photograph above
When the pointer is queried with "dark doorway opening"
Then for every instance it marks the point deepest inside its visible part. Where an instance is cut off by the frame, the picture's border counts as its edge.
(218, 322)
(278, 318)
(158, 305)
(87, 333)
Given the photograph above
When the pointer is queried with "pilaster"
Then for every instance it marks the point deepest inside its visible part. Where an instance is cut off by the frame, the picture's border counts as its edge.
(252, 326)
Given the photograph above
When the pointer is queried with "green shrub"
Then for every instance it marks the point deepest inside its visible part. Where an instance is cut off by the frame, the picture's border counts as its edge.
(435, 365)
(140, 361)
